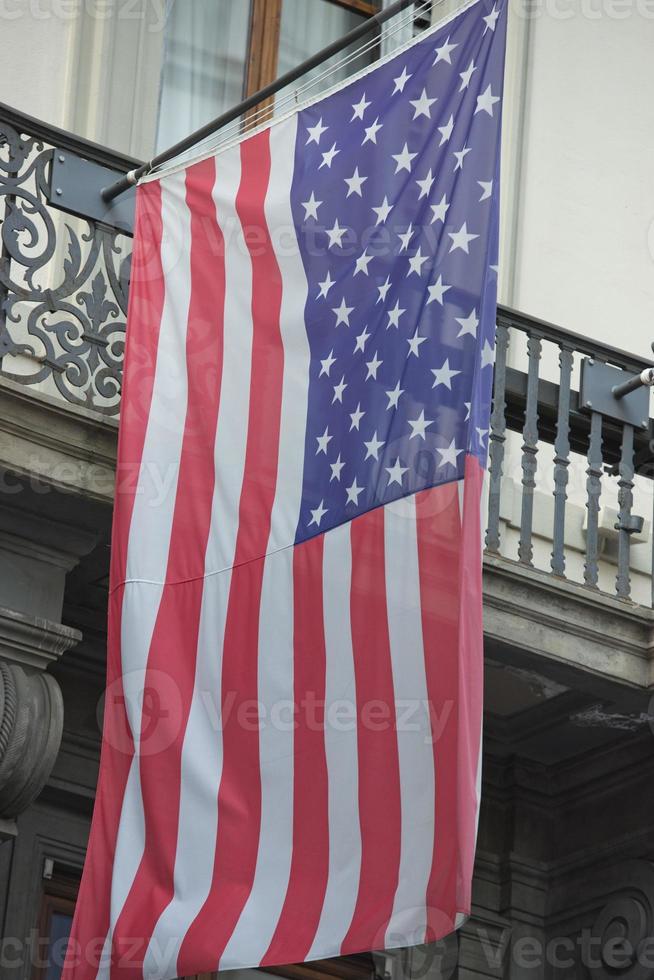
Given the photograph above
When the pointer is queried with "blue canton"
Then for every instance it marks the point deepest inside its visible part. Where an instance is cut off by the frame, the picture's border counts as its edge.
(395, 200)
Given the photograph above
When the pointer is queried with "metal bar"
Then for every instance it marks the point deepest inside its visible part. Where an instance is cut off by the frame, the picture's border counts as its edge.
(497, 440)
(561, 460)
(66, 140)
(625, 503)
(529, 450)
(645, 378)
(593, 491)
(584, 345)
(109, 193)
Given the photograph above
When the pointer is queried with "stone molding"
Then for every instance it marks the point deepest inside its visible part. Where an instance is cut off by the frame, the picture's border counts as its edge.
(534, 612)
(33, 642)
(46, 439)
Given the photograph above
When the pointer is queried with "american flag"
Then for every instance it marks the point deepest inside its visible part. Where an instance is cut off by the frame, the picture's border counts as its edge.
(291, 753)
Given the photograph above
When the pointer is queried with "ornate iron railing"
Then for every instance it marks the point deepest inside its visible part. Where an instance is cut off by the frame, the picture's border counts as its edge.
(63, 303)
(63, 280)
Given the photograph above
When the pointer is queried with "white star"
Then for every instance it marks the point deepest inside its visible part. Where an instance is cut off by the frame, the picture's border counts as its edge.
(373, 447)
(419, 425)
(353, 494)
(449, 455)
(322, 441)
(382, 211)
(422, 106)
(467, 405)
(403, 159)
(315, 132)
(481, 435)
(355, 183)
(486, 101)
(328, 157)
(416, 263)
(394, 315)
(396, 472)
(401, 81)
(446, 131)
(425, 185)
(335, 234)
(491, 20)
(469, 324)
(443, 375)
(318, 514)
(356, 417)
(371, 132)
(336, 469)
(338, 391)
(383, 289)
(325, 286)
(361, 340)
(360, 108)
(394, 396)
(311, 207)
(373, 366)
(414, 344)
(325, 366)
(342, 313)
(466, 75)
(437, 291)
(487, 355)
(405, 238)
(461, 239)
(460, 156)
(362, 263)
(487, 189)
(443, 53)
(440, 210)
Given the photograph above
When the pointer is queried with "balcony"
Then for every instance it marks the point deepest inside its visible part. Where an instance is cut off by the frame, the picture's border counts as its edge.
(563, 481)
(567, 564)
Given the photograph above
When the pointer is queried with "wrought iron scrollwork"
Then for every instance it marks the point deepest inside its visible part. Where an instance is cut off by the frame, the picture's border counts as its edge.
(63, 285)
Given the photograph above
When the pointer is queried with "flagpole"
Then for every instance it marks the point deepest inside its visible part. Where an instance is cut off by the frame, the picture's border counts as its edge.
(133, 176)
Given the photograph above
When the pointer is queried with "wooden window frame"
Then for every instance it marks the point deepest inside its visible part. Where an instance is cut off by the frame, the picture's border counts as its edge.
(264, 34)
(59, 896)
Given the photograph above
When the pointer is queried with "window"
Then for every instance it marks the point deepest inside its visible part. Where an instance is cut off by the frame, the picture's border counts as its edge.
(204, 64)
(55, 921)
(217, 51)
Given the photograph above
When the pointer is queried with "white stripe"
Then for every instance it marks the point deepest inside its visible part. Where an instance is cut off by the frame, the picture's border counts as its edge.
(255, 928)
(409, 917)
(150, 529)
(201, 763)
(340, 748)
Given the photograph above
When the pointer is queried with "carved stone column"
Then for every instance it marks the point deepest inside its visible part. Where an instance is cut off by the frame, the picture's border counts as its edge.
(31, 709)
(36, 554)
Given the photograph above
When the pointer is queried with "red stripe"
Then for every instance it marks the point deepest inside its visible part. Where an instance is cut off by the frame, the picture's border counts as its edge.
(439, 541)
(146, 298)
(471, 676)
(379, 771)
(239, 796)
(171, 663)
(300, 915)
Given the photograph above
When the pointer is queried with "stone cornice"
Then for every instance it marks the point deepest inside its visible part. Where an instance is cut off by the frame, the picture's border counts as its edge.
(63, 445)
(534, 612)
(33, 642)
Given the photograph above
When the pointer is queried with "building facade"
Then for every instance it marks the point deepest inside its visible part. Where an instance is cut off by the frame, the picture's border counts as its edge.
(564, 881)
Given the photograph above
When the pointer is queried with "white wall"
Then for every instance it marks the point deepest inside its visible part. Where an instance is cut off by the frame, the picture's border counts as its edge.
(584, 206)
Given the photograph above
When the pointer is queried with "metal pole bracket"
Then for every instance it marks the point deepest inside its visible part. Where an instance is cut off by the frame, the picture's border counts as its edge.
(600, 392)
(76, 187)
